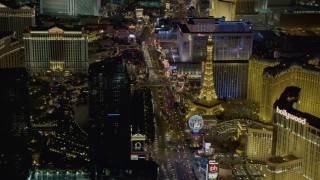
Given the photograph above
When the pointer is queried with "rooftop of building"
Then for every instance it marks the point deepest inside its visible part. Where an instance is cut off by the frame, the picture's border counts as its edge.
(56, 25)
(4, 34)
(184, 28)
(14, 5)
(261, 35)
(255, 57)
(282, 159)
(167, 22)
(261, 126)
(113, 69)
(194, 20)
(290, 96)
(286, 63)
(301, 32)
(105, 66)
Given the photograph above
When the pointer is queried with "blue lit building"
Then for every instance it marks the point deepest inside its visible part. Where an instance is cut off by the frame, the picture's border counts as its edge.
(232, 39)
(232, 48)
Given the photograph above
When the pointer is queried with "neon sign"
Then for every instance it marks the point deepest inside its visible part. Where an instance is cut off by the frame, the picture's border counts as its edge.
(290, 116)
(213, 168)
(195, 123)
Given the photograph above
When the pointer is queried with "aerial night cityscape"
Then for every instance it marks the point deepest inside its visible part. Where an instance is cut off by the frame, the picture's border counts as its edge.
(160, 89)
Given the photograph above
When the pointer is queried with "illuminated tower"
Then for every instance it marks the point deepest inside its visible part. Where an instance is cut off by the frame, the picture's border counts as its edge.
(206, 102)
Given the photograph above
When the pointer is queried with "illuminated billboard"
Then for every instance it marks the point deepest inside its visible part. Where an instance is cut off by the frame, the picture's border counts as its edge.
(213, 169)
(195, 123)
(138, 143)
(196, 141)
(287, 115)
(137, 146)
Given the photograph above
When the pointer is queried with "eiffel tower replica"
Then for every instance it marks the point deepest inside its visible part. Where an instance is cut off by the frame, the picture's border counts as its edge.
(206, 103)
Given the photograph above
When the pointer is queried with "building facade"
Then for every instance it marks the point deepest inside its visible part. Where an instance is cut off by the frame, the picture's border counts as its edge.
(110, 112)
(259, 142)
(230, 79)
(230, 55)
(11, 52)
(296, 136)
(284, 167)
(290, 73)
(232, 39)
(223, 8)
(233, 8)
(70, 7)
(56, 50)
(256, 67)
(249, 6)
(15, 159)
(16, 19)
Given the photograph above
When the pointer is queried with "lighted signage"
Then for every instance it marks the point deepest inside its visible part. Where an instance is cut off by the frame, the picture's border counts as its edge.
(134, 157)
(137, 145)
(290, 116)
(213, 168)
(196, 141)
(131, 27)
(203, 66)
(195, 123)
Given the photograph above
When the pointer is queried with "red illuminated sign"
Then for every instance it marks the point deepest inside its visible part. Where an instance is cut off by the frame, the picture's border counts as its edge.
(213, 168)
(132, 27)
(203, 66)
(196, 137)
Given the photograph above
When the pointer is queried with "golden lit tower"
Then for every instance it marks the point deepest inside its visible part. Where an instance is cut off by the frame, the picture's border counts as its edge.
(206, 102)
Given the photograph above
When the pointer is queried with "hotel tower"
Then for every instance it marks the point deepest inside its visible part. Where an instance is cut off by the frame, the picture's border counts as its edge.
(256, 68)
(290, 72)
(296, 142)
(18, 19)
(58, 50)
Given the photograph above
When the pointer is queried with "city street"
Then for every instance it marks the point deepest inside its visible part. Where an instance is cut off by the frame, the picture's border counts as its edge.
(168, 149)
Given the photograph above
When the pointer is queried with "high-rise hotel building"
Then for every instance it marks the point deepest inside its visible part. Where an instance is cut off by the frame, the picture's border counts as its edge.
(11, 52)
(70, 7)
(296, 145)
(256, 68)
(232, 39)
(231, 51)
(290, 73)
(259, 142)
(57, 50)
(233, 8)
(18, 19)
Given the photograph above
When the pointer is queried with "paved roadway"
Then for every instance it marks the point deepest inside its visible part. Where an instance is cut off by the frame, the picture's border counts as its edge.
(173, 158)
